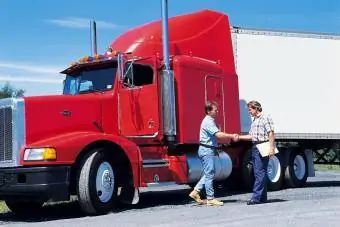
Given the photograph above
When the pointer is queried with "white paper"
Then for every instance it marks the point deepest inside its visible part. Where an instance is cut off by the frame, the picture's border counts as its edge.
(264, 149)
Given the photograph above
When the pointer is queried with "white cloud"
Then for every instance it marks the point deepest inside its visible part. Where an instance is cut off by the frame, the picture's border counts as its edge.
(73, 22)
(15, 78)
(35, 79)
(30, 68)
(24, 72)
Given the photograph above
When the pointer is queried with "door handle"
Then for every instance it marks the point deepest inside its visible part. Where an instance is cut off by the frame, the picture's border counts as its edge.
(66, 113)
(151, 123)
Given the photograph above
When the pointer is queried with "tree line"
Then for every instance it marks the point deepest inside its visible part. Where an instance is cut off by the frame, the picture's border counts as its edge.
(9, 91)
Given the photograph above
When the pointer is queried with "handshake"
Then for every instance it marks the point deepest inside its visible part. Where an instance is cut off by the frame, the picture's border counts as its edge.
(226, 138)
(235, 137)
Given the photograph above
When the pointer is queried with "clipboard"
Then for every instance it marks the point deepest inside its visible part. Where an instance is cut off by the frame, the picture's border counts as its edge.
(264, 149)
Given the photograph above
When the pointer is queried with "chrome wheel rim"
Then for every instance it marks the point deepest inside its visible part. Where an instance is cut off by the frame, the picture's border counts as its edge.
(299, 167)
(274, 169)
(105, 182)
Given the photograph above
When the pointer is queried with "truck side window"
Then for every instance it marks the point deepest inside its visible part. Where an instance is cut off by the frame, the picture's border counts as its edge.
(142, 75)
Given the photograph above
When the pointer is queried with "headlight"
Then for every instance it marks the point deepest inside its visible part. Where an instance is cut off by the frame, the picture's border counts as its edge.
(40, 154)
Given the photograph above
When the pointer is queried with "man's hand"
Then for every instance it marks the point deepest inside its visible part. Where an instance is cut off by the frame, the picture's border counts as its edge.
(271, 152)
(235, 137)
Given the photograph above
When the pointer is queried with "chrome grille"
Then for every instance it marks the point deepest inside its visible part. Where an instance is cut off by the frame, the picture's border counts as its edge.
(6, 143)
(12, 131)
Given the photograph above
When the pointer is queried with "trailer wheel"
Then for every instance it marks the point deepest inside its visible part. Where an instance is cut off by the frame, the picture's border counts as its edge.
(24, 208)
(248, 178)
(96, 186)
(274, 173)
(296, 170)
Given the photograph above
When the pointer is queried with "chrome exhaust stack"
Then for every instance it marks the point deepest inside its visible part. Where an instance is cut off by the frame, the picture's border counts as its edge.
(167, 83)
(94, 38)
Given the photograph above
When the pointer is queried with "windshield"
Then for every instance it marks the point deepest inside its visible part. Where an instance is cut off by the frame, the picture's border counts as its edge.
(90, 79)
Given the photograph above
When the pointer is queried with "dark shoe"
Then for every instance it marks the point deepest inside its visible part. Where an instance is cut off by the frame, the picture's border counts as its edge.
(263, 200)
(253, 202)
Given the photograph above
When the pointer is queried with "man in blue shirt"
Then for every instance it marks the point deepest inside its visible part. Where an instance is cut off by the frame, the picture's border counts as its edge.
(210, 134)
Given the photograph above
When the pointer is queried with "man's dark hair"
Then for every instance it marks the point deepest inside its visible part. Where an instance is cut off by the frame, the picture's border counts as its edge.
(209, 106)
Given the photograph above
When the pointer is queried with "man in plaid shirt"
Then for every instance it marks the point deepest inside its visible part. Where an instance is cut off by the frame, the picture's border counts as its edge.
(260, 127)
(261, 130)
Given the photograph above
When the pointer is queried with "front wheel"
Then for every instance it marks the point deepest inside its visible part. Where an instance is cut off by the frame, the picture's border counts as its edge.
(97, 189)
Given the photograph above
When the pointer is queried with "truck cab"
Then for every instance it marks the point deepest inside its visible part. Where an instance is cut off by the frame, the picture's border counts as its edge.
(124, 120)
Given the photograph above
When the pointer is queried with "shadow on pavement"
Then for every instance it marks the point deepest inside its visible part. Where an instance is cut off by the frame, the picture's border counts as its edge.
(276, 200)
(71, 210)
(245, 201)
(163, 198)
(65, 210)
(316, 184)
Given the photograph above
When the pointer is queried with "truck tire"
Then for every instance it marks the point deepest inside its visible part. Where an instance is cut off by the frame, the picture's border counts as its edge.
(96, 186)
(274, 173)
(275, 176)
(24, 208)
(296, 171)
(247, 172)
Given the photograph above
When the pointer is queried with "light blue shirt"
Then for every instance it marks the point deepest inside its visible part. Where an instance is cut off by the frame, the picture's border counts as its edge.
(207, 136)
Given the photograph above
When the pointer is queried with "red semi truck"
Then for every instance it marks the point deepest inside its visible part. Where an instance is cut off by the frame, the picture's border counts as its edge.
(129, 119)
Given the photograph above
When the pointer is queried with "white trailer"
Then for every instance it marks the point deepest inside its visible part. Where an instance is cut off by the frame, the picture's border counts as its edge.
(296, 78)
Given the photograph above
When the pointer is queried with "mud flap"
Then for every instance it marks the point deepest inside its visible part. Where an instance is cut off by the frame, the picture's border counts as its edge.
(129, 195)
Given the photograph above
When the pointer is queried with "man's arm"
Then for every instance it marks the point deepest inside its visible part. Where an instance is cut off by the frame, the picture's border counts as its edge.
(222, 137)
(271, 143)
(245, 137)
(225, 137)
(269, 127)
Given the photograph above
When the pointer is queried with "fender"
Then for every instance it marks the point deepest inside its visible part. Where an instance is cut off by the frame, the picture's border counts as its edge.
(69, 146)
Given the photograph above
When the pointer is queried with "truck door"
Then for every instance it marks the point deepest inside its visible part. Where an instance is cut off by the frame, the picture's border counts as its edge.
(138, 102)
(214, 92)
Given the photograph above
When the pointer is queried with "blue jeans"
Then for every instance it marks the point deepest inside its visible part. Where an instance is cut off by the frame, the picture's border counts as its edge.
(207, 178)
(260, 165)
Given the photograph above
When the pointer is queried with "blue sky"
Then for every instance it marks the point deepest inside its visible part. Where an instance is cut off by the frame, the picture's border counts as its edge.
(38, 38)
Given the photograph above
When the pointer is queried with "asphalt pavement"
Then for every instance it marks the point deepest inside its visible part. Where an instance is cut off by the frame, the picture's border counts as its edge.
(317, 204)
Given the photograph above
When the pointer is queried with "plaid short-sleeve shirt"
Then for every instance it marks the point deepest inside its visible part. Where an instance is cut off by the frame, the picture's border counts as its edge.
(260, 127)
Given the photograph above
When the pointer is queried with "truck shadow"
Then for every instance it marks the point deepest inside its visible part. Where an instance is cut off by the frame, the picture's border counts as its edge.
(72, 210)
(244, 116)
(317, 184)
(58, 211)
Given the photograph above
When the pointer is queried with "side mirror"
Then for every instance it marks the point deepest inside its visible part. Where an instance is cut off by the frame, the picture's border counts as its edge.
(120, 65)
(64, 82)
(128, 78)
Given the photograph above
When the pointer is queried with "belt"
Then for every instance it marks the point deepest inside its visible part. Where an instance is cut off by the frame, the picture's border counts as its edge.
(259, 142)
(211, 147)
